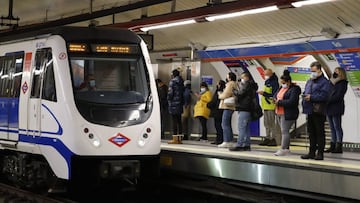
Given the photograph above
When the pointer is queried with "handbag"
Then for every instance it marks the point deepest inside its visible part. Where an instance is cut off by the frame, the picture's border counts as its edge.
(319, 108)
(256, 112)
(230, 101)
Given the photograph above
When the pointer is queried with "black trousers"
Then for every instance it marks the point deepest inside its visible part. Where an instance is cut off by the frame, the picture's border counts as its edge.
(203, 122)
(176, 124)
(315, 125)
(219, 130)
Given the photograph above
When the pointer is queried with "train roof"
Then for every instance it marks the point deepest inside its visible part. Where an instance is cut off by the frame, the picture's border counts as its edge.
(84, 34)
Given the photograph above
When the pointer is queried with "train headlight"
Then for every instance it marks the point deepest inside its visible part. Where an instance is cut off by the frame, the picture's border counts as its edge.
(141, 142)
(96, 142)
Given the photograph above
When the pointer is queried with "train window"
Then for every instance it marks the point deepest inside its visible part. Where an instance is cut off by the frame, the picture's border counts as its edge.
(7, 74)
(49, 90)
(42, 59)
(17, 76)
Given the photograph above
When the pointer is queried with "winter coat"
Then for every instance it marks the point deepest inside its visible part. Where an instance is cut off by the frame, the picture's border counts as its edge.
(319, 90)
(228, 92)
(290, 102)
(187, 96)
(245, 95)
(270, 87)
(336, 104)
(200, 108)
(175, 95)
(213, 105)
(162, 92)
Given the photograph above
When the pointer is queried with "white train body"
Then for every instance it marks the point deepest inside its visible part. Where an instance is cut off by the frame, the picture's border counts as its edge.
(115, 121)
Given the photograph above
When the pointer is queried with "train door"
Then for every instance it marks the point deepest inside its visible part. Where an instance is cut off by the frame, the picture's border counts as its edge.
(10, 80)
(43, 58)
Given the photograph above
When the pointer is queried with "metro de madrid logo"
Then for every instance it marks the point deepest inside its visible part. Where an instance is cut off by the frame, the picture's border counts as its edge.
(119, 139)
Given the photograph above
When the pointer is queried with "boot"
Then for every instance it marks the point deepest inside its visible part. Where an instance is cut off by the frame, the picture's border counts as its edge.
(338, 148)
(310, 155)
(332, 147)
(176, 140)
(319, 156)
(265, 142)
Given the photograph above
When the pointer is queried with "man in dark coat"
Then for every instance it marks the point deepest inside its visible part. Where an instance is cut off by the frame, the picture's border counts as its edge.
(175, 99)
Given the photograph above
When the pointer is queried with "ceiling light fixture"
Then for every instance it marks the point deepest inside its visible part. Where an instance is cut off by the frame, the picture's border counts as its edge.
(186, 22)
(308, 2)
(241, 13)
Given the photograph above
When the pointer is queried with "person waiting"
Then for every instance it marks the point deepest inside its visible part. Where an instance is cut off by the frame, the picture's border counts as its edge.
(267, 103)
(228, 110)
(287, 101)
(336, 108)
(246, 94)
(217, 113)
(201, 111)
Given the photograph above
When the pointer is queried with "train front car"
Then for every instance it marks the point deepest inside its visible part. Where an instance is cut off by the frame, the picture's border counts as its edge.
(113, 129)
(77, 104)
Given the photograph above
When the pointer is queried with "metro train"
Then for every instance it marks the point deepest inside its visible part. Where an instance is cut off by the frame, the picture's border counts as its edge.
(77, 103)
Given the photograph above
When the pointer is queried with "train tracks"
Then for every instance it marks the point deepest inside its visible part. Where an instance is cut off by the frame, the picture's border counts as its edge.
(10, 194)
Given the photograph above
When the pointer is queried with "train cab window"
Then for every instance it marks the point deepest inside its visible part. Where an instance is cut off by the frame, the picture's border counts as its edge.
(7, 74)
(43, 66)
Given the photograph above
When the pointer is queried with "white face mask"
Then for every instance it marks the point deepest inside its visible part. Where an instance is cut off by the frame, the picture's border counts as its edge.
(203, 89)
(267, 77)
(314, 75)
(92, 83)
(284, 85)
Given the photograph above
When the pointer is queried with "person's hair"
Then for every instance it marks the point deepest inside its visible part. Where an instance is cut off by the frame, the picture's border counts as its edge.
(286, 76)
(232, 76)
(246, 74)
(222, 85)
(204, 84)
(175, 73)
(342, 73)
(316, 64)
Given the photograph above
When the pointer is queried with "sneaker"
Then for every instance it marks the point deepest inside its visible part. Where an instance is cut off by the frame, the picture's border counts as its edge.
(264, 142)
(225, 145)
(282, 152)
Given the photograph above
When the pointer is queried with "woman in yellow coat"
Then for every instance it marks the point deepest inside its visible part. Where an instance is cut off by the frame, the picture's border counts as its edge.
(201, 111)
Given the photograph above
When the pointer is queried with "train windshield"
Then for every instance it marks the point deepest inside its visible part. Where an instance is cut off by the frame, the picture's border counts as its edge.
(112, 91)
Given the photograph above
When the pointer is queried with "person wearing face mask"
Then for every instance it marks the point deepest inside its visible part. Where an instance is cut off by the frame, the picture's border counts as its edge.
(245, 94)
(336, 108)
(228, 110)
(314, 100)
(201, 111)
(272, 128)
(89, 84)
(287, 101)
(217, 113)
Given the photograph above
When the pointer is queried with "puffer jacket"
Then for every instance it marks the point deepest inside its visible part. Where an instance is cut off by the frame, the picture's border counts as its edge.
(228, 92)
(245, 95)
(200, 108)
(175, 95)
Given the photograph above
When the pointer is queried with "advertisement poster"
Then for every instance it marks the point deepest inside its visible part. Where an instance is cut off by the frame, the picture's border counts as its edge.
(209, 81)
(350, 61)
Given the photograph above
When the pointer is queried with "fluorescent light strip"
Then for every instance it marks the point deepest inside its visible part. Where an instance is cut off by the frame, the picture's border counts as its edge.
(186, 22)
(308, 2)
(241, 13)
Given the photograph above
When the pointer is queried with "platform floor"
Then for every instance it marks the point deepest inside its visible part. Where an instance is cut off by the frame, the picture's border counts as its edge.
(347, 161)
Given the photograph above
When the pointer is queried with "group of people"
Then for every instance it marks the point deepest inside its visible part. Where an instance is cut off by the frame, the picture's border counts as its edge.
(322, 100)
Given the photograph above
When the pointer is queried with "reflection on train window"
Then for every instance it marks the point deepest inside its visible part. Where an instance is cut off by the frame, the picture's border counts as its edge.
(11, 75)
(48, 89)
(43, 61)
(102, 74)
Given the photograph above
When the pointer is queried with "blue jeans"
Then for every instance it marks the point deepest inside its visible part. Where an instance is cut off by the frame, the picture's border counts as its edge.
(336, 129)
(226, 125)
(244, 129)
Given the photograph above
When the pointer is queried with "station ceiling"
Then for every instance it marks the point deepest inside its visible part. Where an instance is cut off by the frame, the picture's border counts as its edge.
(341, 16)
